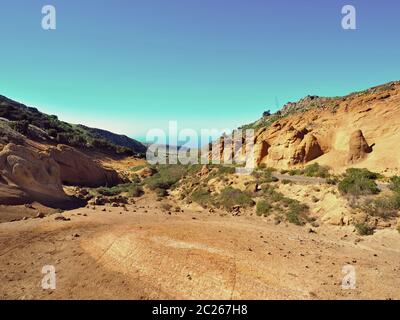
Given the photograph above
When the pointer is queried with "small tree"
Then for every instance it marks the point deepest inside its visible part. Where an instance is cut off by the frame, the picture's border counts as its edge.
(267, 113)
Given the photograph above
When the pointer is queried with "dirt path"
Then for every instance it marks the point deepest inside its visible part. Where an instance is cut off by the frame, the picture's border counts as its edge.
(149, 254)
(299, 179)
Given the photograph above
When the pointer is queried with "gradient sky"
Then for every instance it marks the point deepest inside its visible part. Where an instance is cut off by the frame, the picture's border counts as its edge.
(129, 65)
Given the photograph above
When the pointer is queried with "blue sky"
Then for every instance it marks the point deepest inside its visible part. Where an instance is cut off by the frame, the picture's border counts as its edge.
(130, 66)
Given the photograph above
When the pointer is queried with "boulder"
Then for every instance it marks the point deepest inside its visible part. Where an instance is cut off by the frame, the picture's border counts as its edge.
(78, 169)
(358, 147)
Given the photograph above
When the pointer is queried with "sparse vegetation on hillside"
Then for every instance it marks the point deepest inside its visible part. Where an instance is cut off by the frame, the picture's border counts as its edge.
(311, 102)
(271, 202)
(395, 184)
(203, 197)
(130, 189)
(22, 117)
(264, 122)
(263, 208)
(316, 170)
(168, 176)
(231, 197)
(385, 207)
(294, 211)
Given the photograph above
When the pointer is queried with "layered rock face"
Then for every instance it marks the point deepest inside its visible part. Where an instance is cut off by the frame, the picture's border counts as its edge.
(334, 132)
(78, 169)
(27, 175)
(286, 147)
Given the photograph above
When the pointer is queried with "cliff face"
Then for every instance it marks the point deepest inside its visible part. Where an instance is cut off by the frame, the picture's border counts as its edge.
(358, 130)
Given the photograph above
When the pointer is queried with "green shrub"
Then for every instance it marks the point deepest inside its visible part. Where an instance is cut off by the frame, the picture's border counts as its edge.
(109, 192)
(362, 173)
(203, 197)
(316, 170)
(395, 184)
(293, 218)
(135, 191)
(263, 208)
(358, 182)
(286, 181)
(296, 212)
(384, 207)
(231, 197)
(265, 176)
(296, 172)
(225, 170)
(364, 230)
(132, 190)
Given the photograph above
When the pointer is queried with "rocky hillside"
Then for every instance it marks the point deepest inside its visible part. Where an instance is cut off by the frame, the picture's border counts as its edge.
(38, 126)
(40, 154)
(117, 139)
(358, 130)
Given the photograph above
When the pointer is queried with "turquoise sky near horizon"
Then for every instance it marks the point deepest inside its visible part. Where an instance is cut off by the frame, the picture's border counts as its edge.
(129, 66)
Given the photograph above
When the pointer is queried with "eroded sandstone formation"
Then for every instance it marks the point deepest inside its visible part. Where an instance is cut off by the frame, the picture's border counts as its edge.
(308, 150)
(323, 130)
(358, 147)
(282, 146)
(29, 175)
(78, 169)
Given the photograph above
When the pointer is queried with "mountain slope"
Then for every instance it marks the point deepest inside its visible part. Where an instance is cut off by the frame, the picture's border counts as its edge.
(27, 120)
(117, 139)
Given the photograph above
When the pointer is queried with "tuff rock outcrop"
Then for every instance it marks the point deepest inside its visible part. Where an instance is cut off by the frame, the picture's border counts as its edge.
(78, 169)
(322, 130)
(358, 147)
(29, 175)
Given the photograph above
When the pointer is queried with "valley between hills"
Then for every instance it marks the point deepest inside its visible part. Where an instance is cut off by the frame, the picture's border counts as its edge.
(325, 195)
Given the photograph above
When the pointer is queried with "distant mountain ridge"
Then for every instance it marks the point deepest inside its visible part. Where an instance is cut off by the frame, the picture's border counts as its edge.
(118, 139)
(24, 118)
